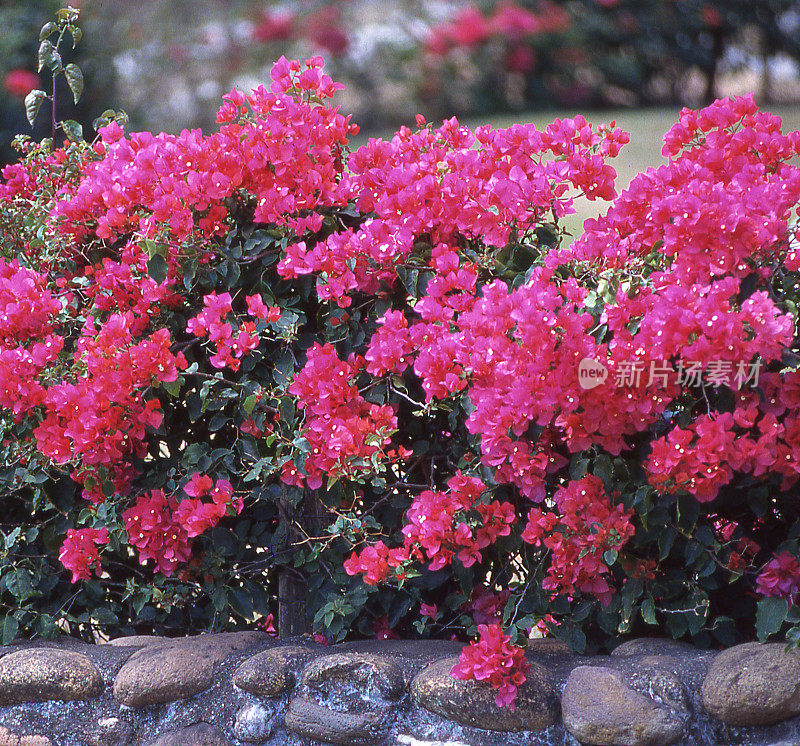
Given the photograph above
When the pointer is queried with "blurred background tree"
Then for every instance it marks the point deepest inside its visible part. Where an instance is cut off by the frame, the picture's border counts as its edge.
(168, 62)
(643, 52)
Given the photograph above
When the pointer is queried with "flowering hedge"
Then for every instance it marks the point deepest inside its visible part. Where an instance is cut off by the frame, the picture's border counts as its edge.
(232, 358)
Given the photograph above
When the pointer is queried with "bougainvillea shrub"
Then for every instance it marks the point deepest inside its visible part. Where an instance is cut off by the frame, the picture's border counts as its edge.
(233, 358)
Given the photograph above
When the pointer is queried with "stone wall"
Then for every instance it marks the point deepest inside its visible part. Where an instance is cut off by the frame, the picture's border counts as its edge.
(242, 688)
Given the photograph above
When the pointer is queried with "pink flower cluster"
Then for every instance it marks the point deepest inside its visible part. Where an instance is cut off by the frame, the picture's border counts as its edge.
(375, 562)
(123, 285)
(101, 417)
(585, 525)
(761, 436)
(28, 316)
(493, 659)
(442, 526)
(456, 524)
(79, 552)
(448, 181)
(210, 322)
(780, 577)
(275, 145)
(161, 527)
(345, 433)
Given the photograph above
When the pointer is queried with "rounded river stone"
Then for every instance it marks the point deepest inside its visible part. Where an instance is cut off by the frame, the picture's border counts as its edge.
(753, 684)
(43, 674)
(272, 672)
(600, 709)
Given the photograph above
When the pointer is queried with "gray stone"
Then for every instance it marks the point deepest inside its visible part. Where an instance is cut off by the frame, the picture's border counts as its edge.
(312, 720)
(177, 669)
(372, 673)
(254, 723)
(656, 678)
(753, 684)
(600, 709)
(43, 674)
(473, 703)
(272, 672)
(135, 641)
(411, 656)
(653, 646)
(110, 731)
(201, 734)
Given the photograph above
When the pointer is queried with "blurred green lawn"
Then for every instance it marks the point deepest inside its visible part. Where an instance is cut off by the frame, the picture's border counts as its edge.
(647, 128)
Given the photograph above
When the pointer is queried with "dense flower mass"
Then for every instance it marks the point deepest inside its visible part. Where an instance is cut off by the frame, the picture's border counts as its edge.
(383, 353)
(286, 155)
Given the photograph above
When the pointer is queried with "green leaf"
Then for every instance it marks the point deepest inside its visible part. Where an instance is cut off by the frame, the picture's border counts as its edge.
(218, 421)
(46, 53)
(12, 537)
(770, 616)
(74, 80)
(33, 102)
(219, 597)
(73, 130)
(104, 615)
(77, 35)
(48, 29)
(610, 556)
(602, 468)
(649, 611)
(242, 603)
(157, 268)
(10, 629)
(173, 388)
(19, 584)
(578, 468)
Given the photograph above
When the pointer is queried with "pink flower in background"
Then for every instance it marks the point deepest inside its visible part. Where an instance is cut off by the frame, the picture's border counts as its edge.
(711, 16)
(324, 29)
(20, 82)
(470, 27)
(382, 630)
(514, 21)
(430, 610)
(274, 27)
(520, 59)
(268, 625)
